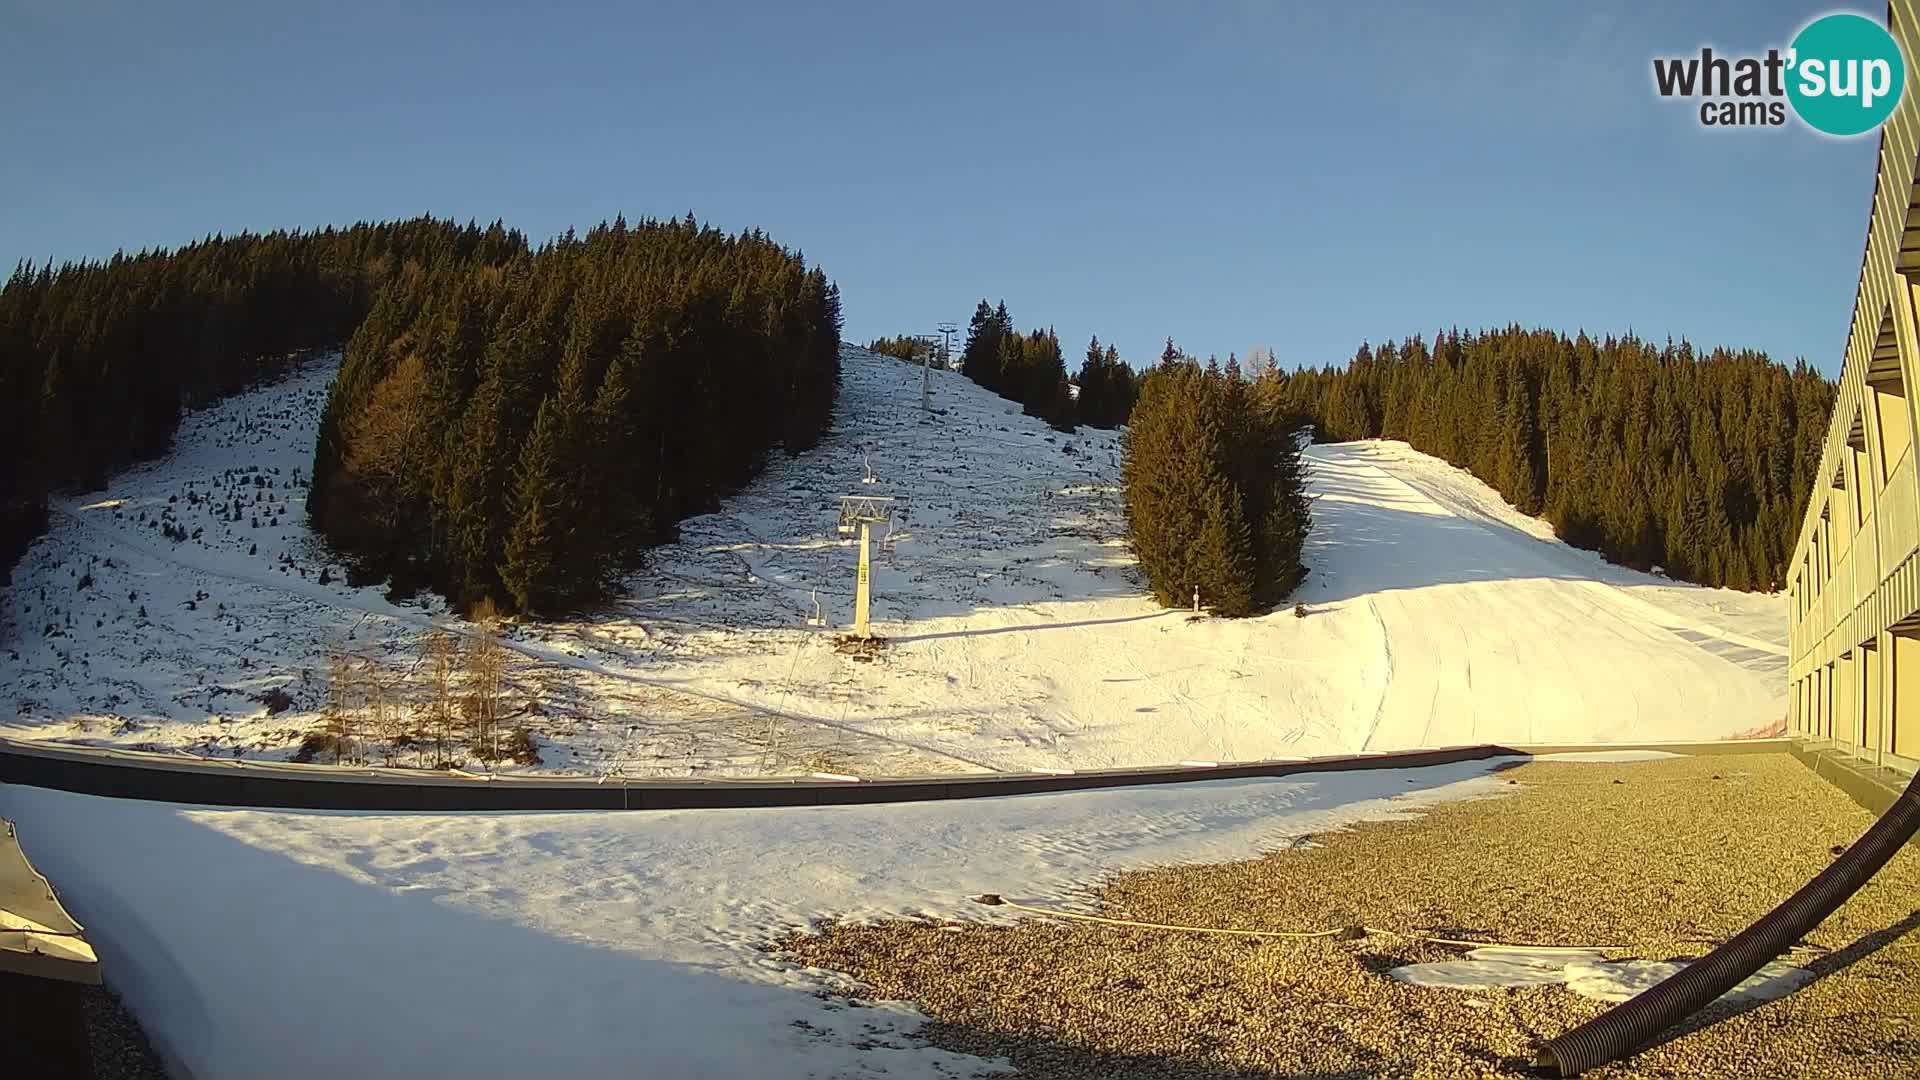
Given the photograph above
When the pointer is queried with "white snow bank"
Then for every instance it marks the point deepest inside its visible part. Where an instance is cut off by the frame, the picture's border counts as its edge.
(287, 944)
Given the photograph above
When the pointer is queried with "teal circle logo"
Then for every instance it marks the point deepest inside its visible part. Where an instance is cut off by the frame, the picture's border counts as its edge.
(1845, 74)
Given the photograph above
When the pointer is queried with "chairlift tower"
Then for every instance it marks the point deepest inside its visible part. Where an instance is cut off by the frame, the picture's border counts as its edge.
(947, 331)
(859, 514)
(944, 336)
(926, 372)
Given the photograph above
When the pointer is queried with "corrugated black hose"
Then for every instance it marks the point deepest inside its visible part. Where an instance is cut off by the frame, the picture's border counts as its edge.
(1622, 1029)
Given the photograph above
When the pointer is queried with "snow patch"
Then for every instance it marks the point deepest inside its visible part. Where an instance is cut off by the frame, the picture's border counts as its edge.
(1586, 972)
(1624, 979)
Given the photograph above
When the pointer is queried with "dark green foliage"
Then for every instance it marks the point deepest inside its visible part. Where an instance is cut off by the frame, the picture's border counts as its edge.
(564, 410)
(548, 561)
(1030, 370)
(980, 356)
(1043, 380)
(694, 352)
(97, 358)
(1215, 491)
(1107, 387)
(1698, 463)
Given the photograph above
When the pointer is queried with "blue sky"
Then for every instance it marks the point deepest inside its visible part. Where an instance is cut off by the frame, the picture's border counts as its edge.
(1228, 173)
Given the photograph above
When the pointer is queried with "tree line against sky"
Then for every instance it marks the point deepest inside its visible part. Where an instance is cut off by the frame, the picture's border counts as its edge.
(97, 358)
(515, 424)
(1653, 455)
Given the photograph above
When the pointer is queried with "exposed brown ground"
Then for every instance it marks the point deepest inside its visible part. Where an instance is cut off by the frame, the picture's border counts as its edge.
(1662, 858)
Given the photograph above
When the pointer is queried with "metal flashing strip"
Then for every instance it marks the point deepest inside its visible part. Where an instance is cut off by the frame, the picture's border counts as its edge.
(170, 778)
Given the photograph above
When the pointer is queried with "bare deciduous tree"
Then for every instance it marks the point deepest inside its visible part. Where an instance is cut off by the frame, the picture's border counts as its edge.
(337, 719)
(1260, 361)
(443, 673)
(485, 679)
(386, 714)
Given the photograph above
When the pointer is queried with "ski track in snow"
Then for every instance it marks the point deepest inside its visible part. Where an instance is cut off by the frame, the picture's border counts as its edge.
(1020, 635)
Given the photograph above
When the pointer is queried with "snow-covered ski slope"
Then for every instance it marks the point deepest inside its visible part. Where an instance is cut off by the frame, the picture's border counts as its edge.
(1018, 632)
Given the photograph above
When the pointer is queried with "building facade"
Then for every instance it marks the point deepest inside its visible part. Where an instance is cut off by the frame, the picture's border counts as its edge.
(1854, 583)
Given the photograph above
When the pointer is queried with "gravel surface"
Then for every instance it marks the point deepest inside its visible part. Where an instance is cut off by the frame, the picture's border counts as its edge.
(119, 1048)
(1656, 859)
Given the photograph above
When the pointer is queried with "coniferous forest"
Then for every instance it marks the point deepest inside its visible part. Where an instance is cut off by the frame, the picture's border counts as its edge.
(507, 424)
(1021, 368)
(520, 432)
(97, 358)
(1699, 463)
(1215, 490)
(1107, 387)
(1026, 368)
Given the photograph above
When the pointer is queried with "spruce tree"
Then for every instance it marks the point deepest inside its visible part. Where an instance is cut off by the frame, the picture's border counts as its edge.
(1214, 492)
(1044, 374)
(1122, 385)
(980, 357)
(542, 564)
(474, 497)
(624, 521)
(1011, 378)
(1221, 562)
(1095, 402)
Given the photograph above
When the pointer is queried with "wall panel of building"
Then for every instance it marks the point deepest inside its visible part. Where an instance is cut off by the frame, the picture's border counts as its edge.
(1854, 609)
